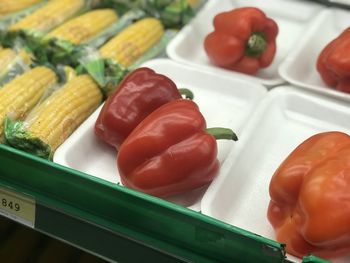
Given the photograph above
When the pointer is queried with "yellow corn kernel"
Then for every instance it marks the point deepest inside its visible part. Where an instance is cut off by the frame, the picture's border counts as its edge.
(130, 44)
(7, 57)
(26, 57)
(11, 6)
(20, 95)
(60, 114)
(193, 3)
(49, 16)
(83, 28)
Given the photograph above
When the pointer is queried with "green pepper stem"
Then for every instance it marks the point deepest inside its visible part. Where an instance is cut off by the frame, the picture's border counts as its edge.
(256, 45)
(187, 93)
(222, 133)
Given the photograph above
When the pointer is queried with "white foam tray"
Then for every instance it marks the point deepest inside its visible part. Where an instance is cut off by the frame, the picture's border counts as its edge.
(223, 101)
(292, 17)
(285, 118)
(299, 68)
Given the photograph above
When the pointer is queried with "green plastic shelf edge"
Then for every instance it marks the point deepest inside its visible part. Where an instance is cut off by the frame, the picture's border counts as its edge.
(148, 220)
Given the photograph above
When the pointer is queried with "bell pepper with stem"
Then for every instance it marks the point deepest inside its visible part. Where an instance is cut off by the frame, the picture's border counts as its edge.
(310, 197)
(243, 40)
(140, 93)
(171, 151)
(333, 63)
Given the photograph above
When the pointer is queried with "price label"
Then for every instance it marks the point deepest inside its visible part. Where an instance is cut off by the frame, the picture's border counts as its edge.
(18, 207)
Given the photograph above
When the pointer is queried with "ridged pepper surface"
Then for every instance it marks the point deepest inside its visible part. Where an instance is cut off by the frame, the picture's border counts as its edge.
(243, 40)
(310, 197)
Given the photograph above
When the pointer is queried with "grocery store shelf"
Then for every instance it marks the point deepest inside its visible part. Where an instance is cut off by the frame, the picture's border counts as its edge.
(123, 225)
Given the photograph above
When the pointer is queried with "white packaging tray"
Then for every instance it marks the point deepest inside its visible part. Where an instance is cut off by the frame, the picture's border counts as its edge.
(285, 118)
(299, 68)
(224, 102)
(292, 17)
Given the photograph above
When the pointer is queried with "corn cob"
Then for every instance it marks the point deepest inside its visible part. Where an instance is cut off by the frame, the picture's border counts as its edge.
(82, 28)
(50, 124)
(20, 95)
(130, 44)
(49, 16)
(11, 6)
(193, 3)
(7, 56)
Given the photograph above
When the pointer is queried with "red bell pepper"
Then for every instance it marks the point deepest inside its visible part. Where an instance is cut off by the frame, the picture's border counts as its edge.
(243, 40)
(171, 151)
(310, 197)
(141, 92)
(333, 63)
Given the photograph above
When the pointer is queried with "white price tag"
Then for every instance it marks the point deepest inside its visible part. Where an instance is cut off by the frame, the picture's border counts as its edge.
(18, 207)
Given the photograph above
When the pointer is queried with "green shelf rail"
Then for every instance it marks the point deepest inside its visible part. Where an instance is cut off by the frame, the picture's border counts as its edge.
(123, 225)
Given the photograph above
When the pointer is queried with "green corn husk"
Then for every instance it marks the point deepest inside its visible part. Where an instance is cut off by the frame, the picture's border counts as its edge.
(172, 13)
(106, 72)
(16, 134)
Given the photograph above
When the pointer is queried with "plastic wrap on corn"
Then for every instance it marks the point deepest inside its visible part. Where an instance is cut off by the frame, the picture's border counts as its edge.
(13, 63)
(145, 38)
(172, 13)
(12, 11)
(130, 44)
(52, 14)
(66, 43)
(8, 7)
(51, 123)
(81, 29)
(20, 95)
(34, 26)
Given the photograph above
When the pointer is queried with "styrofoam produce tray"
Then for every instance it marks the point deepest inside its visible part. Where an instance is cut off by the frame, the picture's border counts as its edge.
(224, 102)
(299, 68)
(285, 118)
(292, 17)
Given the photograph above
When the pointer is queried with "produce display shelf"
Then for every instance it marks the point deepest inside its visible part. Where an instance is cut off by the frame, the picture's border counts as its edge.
(118, 224)
(122, 225)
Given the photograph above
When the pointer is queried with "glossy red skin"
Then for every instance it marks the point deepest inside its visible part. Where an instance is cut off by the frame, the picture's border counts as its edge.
(140, 93)
(169, 152)
(225, 46)
(333, 62)
(310, 197)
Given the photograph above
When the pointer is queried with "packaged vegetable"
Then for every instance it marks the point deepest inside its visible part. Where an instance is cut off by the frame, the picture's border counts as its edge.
(52, 122)
(130, 44)
(34, 26)
(49, 16)
(8, 7)
(11, 11)
(141, 40)
(81, 35)
(171, 151)
(140, 93)
(172, 13)
(333, 63)
(65, 44)
(13, 63)
(310, 205)
(243, 40)
(23, 93)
